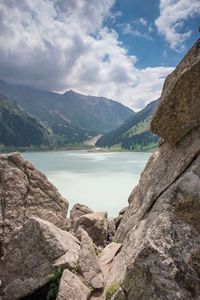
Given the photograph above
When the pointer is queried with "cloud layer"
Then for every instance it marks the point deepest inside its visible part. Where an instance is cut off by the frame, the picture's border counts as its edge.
(64, 44)
(170, 23)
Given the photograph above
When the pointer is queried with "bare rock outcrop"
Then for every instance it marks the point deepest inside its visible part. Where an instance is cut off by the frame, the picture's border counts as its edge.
(88, 264)
(26, 192)
(72, 288)
(79, 210)
(178, 110)
(107, 256)
(31, 255)
(96, 225)
(160, 230)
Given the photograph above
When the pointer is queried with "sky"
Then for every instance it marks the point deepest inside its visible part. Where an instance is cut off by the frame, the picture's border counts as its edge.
(119, 49)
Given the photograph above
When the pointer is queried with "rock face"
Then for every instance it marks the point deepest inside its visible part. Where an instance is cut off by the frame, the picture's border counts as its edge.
(77, 211)
(88, 264)
(107, 256)
(160, 231)
(178, 111)
(119, 217)
(30, 257)
(26, 192)
(71, 288)
(96, 225)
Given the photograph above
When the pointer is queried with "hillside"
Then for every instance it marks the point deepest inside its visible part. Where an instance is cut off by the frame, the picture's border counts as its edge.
(134, 133)
(18, 129)
(93, 114)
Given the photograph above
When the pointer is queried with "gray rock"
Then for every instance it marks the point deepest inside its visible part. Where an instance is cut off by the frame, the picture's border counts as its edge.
(31, 254)
(109, 253)
(163, 248)
(71, 288)
(107, 256)
(77, 211)
(26, 192)
(178, 110)
(111, 226)
(164, 167)
(160, 230)
(96, 225)
(119, 218)
(88, 264)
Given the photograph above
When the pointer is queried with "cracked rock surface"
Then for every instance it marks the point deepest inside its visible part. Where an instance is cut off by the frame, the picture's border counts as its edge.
(26, 192)
(160, 230)
(30, 257)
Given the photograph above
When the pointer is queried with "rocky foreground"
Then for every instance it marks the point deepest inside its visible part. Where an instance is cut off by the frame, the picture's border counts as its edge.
(155, 252)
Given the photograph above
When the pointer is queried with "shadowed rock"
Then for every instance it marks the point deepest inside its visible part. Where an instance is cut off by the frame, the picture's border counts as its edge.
(31, 254)
(178, 110)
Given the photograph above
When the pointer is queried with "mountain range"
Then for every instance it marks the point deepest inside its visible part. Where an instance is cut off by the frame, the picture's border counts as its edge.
(70, 117)
(134, 133)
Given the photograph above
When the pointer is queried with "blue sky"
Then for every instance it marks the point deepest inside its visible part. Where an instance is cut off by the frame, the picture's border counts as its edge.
(138, 32)
(119, 49)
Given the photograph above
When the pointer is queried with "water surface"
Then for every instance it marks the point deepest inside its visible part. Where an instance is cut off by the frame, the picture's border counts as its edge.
(103, 181)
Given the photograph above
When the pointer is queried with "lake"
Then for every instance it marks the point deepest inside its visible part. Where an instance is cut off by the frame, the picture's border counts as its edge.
(102, 181)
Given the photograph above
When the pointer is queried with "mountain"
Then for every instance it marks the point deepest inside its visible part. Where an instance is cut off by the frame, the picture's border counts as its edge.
(134, 133)
(93, 114)
(19, 129)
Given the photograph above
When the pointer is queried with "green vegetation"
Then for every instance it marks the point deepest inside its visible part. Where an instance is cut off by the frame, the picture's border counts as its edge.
(54, 279)
(134, 134)
(19, 129)
(99, 252)
(75, 268)
(111, 290)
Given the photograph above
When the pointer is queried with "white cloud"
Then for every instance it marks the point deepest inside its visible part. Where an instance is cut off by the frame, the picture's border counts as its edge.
(63, 44)
(173, 14)
(128, 29)
(143, 21)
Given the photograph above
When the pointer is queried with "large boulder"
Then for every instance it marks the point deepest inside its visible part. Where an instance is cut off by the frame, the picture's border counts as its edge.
(160, 229)
(79, 210)
(72, 288)
(31, 255)
(26, 192)
(178, 110)
(88, 264)
(96, 225)
(76, 212)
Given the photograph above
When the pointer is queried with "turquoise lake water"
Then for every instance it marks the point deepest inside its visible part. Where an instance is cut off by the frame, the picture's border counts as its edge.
(103, 181)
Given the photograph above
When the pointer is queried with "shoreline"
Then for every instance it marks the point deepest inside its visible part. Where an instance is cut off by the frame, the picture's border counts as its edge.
(94, 150)
(101, 150)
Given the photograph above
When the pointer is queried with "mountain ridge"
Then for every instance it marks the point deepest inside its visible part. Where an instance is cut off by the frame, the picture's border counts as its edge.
(19, 129)
(88, 112)
(134, 133)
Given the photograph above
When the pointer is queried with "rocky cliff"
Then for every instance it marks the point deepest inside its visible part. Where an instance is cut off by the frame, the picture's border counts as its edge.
(160, 256)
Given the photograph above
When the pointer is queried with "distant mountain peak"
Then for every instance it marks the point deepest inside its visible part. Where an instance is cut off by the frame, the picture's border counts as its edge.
(70, 113)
